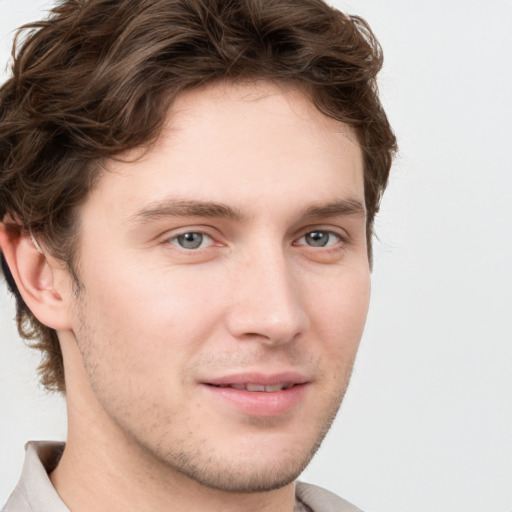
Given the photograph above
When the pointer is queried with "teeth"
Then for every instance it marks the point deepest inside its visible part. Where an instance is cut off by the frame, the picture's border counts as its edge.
(255, 387)
(258, 387)
(275, 387)
(261, 388)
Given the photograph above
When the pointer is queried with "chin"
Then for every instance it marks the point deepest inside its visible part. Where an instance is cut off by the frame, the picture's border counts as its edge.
(246, 477)
(257, 467)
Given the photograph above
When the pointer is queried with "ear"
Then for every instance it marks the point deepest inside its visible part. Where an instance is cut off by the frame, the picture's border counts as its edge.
(36, 273)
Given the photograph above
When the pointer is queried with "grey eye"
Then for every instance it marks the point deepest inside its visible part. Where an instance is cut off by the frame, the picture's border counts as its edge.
(317, 238)
(320, 238)
(190, 240)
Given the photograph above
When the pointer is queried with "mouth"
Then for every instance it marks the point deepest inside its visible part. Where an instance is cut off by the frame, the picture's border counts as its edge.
(259, 395)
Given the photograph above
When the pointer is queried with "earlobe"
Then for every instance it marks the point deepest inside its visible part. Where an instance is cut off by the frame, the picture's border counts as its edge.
(34, 274)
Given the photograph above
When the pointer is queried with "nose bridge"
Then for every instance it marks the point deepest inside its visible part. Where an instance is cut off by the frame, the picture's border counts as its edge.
(267, 303)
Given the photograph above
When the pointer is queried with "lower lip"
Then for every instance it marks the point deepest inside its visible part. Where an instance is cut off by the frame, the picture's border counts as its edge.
(260, 403)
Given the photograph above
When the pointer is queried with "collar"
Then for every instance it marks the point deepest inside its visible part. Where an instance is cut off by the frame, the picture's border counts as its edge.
(35, 492)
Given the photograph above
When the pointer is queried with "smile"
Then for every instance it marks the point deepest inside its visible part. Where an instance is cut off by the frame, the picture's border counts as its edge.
(257, 394)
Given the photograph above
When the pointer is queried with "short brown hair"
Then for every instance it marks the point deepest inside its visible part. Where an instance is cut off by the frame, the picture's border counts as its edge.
(97, 76)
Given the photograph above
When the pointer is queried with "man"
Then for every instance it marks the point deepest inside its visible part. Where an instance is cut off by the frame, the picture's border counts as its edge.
(187, 194)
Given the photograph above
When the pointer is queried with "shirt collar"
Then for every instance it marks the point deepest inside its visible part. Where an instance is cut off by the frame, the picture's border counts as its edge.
(34, 491)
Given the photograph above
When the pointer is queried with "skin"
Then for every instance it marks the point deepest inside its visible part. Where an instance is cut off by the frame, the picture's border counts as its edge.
(155, 322)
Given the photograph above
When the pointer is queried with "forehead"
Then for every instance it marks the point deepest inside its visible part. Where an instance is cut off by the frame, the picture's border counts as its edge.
(271, 116)
(237, 143)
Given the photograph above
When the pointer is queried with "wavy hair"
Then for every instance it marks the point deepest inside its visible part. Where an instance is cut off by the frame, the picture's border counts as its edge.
(96, 78)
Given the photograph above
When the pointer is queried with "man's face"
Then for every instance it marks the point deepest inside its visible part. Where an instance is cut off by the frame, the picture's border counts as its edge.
(225, 288)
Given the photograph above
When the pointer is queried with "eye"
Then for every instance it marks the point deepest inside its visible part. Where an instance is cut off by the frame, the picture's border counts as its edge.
(191, 240)
(319, 239)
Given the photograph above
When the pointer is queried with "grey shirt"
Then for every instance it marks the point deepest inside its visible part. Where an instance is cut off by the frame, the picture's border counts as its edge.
(35, 493)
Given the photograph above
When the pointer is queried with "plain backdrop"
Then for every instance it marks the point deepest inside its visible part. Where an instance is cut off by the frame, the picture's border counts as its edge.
(427, 423)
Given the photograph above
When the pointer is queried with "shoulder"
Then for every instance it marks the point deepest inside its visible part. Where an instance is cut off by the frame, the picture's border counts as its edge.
(321, 500)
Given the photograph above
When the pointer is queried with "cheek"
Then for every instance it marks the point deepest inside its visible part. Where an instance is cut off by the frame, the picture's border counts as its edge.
(340, 314)
(157, 314)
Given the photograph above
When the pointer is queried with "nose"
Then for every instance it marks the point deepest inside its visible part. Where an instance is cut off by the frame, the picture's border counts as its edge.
(267, 303)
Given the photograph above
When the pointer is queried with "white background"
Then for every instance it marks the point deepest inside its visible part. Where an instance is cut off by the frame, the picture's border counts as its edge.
(427, 423)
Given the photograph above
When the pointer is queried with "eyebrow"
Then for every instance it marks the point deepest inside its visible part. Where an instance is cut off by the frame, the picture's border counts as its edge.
(182, 208)
(337, 208)
(209, 209)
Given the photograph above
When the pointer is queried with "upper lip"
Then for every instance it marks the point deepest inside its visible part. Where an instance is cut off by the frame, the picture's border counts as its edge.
(263, 379)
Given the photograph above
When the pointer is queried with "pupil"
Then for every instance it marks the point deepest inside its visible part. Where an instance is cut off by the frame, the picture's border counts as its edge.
(191, 240)
(317, 238)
